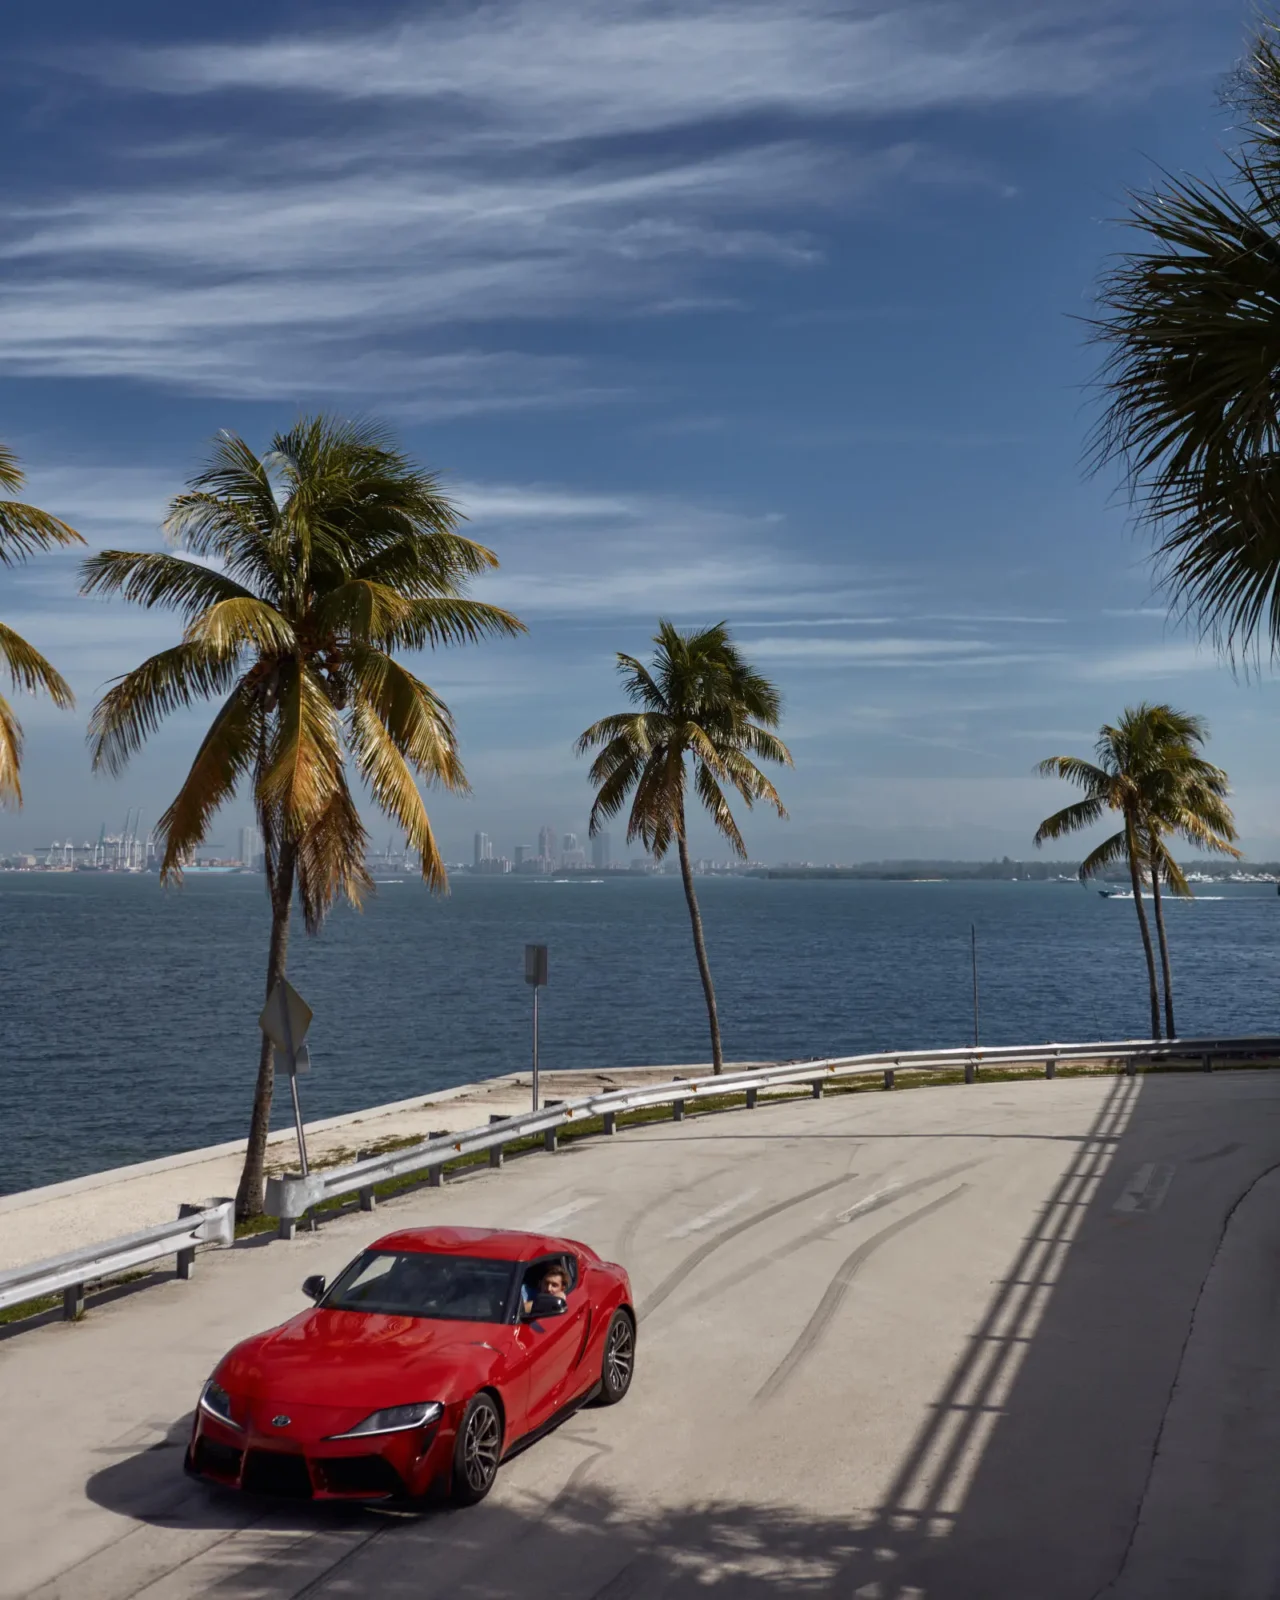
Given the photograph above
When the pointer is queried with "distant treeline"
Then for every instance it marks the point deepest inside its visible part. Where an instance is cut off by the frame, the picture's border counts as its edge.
(1005, 869)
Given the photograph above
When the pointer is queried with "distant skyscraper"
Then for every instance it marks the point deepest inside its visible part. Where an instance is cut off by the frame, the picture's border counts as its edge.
(484, 849)
(547, 845)
(600, 850)
(250, 846)
(521, 851)
(569, 842)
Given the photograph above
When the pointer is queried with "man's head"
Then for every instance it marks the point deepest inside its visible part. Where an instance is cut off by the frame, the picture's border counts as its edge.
(555, 1280)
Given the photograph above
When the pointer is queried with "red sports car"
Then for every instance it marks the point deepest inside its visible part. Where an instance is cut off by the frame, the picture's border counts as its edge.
(435, 1355)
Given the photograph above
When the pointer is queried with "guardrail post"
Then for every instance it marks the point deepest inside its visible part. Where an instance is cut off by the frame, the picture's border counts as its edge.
(816, 1088)
(435, 1177)
(186, 1263)
(287, 1228)
(549, 1140)
(368, 1200)
(1130, 1066)
(889, 1079)
(495, 1155)
(610, 1122)
(1208, 1062)
(751, 1099)
(73, 1302)
(677, 1111)
(1051, 1067)
(970, 1071)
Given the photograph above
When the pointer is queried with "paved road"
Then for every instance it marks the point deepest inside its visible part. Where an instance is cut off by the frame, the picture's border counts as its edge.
(981, 1341)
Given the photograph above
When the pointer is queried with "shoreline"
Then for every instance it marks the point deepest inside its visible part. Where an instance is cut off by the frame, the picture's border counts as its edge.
(56, 1217)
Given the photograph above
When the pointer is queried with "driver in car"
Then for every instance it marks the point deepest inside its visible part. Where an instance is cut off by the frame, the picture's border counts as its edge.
(555, 1280)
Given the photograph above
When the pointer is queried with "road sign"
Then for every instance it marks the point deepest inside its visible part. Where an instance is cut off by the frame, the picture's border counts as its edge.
(535, 965)
(285, 1019)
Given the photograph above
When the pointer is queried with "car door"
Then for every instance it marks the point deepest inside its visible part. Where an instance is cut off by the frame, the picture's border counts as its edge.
(552, 1345)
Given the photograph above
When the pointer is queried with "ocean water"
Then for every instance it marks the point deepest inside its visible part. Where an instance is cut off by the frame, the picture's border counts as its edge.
(128, 1024)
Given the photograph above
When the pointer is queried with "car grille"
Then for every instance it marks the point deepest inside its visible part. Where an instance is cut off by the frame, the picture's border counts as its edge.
(219, 1460)
(360, 1475)
(276, 1472)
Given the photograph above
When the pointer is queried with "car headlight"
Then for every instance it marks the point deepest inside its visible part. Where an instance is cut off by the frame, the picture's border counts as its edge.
(395, 1419)
(217, 1402)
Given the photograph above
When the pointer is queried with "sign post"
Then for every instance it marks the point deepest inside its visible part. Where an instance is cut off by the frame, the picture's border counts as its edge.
(285, 1019)
(535, 974)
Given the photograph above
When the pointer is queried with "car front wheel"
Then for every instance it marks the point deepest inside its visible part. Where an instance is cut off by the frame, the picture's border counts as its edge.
(478, 1450)
(619, 1359)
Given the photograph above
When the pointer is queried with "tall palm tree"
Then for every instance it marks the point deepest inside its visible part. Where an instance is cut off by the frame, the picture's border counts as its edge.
(704, 713)
(1112, 782)
(312, 564)
(1184, 795)
(1190, 325)
(24, 530)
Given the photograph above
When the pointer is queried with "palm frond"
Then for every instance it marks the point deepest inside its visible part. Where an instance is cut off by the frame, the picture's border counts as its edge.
(394, 791)
(151, 578)
(1084, 774)
(10, 756)
(25, 529)
(303, 769)
(227, 754)
(243, 623)
(137, 703)
(1071, 819)
(29, 670)
(1107, 854)
(717, 807)
(331, 859)
(415, 719)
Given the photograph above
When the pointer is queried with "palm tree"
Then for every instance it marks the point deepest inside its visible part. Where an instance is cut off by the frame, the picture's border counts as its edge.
(24, 530)
(312, 564)
(1183, 794)
(1113, 781)
(704, 713)
(1190, 325)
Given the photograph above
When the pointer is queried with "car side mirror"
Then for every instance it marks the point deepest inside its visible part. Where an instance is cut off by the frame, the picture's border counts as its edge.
(314, 1286)
(545, 1305)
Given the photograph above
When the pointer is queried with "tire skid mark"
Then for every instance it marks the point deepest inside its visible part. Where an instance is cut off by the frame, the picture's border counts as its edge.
(675, 1278)
(631, 1227)
(864, 1208)
(836, 1291)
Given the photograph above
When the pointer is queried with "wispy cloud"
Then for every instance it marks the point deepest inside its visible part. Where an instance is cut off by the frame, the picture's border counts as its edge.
(491, 164)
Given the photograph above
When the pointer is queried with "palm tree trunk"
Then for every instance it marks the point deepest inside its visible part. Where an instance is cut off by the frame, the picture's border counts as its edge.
(1170, 1031)
(249, 1195)
(699, 945)
(1135, 877)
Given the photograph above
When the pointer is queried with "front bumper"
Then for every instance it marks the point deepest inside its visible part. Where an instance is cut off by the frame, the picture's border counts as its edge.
(387, 1467)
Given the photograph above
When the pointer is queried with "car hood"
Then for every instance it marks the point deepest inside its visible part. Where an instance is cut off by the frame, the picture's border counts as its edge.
(354, 1358)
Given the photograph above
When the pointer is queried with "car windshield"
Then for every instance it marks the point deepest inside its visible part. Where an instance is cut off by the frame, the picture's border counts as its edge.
(413, 1283)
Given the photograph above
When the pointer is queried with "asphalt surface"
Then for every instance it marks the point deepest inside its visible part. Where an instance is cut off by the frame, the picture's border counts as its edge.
(1015, 1339)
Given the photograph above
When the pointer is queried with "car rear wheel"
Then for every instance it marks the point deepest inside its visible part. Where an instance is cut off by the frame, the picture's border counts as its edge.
(619, 1359)
(478, 1451)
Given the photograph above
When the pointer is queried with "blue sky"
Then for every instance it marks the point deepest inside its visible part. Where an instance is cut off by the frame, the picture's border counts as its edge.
(760, 311)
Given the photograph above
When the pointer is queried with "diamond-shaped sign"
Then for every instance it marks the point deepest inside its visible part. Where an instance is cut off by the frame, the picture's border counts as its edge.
(285, 1019)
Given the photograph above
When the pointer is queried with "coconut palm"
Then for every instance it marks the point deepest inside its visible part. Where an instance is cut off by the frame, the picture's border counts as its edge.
(703, 714)
(1190, 323)
(307, 568)
(1183, 795)
(24, 530)
(1112, 782)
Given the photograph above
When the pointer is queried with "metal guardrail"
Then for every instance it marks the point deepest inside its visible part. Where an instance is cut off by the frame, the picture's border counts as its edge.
(212, 1223)
(291, 1197)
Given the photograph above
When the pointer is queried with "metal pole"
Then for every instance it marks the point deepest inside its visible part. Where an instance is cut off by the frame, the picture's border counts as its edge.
(973, 946)
(297, 1122)
(293, 1089)
(535, 1047)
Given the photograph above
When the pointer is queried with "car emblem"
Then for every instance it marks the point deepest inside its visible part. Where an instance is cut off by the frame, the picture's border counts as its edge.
(281, 1422)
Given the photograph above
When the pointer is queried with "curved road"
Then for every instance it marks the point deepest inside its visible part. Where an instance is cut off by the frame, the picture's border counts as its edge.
(1009, 1339)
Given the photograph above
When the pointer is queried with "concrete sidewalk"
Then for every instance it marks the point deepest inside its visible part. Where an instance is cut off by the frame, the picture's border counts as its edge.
(36, 1223)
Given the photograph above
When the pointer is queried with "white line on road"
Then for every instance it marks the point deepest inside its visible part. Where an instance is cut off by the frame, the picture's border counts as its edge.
(867, 1203)
(549, 1219)
(1146, 1190)
(697, 1224)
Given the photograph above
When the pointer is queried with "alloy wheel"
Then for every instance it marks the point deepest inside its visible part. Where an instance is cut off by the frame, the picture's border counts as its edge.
(481, 1446)
(620, 1355)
